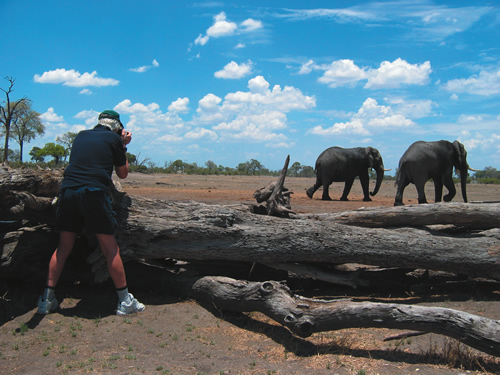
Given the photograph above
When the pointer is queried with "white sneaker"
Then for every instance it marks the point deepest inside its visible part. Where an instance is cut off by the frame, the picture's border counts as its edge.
(130, 306)
(45, 306)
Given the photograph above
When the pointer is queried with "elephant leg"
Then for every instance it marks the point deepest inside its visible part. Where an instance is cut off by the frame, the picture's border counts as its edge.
(450, 185)
(438, 190)
(347, 190)
(364, 180)
(402, 184)
(326, 196)
(310, 192)
(422, 199)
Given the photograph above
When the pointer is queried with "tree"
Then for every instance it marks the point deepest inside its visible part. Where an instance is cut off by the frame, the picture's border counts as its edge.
(56, 151)
(7, 113)
(36, 154)
(25, 125)
(294, 170)
(488, 172)
(211, 166)
(67, 141)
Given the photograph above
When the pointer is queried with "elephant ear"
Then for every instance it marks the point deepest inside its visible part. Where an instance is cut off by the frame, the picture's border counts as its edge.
(459, 151)
(369, 156)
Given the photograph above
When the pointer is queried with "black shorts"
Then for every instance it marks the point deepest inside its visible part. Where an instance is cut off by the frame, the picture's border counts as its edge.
(85, 208)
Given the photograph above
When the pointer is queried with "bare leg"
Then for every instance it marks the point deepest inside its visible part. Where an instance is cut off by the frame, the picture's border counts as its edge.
(111, 252)
(58, 260)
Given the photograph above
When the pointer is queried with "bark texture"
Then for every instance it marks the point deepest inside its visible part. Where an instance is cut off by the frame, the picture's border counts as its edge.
(155, 229)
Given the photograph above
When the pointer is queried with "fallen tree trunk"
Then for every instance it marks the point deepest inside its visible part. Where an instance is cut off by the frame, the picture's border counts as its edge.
(474, 216)
(305, 316)
(155, 229)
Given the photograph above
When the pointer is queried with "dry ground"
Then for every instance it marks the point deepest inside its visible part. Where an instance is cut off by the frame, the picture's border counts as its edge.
(181, 337)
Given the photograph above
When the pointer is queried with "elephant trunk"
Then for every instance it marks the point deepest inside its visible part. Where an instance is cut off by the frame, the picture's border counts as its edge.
(380, 177)
(463, 181)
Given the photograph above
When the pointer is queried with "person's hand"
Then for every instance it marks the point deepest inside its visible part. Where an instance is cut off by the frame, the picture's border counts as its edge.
(126, 136)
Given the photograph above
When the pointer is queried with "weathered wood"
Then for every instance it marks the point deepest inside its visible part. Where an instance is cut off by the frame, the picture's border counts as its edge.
(305, 316)
(155, 229)
(470, 216)
(276, 196)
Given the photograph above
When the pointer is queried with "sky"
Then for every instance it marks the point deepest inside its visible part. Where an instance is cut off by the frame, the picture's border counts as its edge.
(231, 81)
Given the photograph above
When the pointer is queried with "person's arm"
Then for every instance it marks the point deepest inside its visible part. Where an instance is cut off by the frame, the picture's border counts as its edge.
(122, 171)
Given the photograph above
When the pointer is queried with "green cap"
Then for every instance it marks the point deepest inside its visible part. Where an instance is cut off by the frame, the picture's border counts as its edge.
(109, 113)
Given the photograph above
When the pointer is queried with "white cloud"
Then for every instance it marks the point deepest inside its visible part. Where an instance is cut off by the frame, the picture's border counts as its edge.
(239, 46)
(222, 27)
(51, 116)
(145, 68)
(388, 75)
(234, 71)
(370, 116)
(127, 107)
(86, 92)
(74, 78)
(200, 133)
(209, 103)
(342, 73)
(179, 106)
(419, 20)
(251, 25)
(485, 83)
(397, 73)
(201, 40)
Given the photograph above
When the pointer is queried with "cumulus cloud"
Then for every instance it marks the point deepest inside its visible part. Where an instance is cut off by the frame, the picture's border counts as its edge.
(145, 68)
(222, 27)
(370, 116)
(486, 83)
(51, 116)
(179, 106)
(127, 107)
(73, 78)
(234, 71)
(342, 73)
(397, 73)
(388, 75)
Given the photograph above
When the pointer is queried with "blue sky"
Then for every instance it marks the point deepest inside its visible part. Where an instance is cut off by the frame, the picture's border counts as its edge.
(238, 80)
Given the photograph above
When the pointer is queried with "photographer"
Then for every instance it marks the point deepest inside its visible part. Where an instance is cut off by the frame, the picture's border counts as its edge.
(85, 202)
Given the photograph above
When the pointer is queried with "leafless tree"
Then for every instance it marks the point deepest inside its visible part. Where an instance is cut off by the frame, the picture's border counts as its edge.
(7, 113)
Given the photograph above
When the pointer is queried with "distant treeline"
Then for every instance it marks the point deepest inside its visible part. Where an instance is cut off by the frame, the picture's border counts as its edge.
(253, 167)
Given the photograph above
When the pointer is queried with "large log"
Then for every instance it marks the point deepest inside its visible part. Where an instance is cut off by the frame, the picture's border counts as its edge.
(474, 216)
(304, 316)
(156, 229)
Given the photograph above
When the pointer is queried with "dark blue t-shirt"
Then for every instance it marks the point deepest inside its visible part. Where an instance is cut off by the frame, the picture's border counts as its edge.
(93, 155)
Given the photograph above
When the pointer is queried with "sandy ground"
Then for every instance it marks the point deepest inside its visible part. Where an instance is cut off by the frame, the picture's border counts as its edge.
(182, 337)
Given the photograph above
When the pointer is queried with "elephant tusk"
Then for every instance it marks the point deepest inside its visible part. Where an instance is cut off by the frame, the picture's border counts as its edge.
(387, 170)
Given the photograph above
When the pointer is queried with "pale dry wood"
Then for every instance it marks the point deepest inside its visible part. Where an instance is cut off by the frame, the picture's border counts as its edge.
(305, 316)
(155, 229)
(471, 216)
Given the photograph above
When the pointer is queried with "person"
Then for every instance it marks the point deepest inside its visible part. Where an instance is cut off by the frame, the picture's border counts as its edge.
(85, 202)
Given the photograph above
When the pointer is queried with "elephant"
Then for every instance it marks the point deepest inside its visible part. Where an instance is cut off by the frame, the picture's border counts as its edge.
(432, 160)
(344, 164)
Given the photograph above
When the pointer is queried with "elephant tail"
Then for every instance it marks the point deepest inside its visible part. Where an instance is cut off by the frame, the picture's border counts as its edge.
(398, 176)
